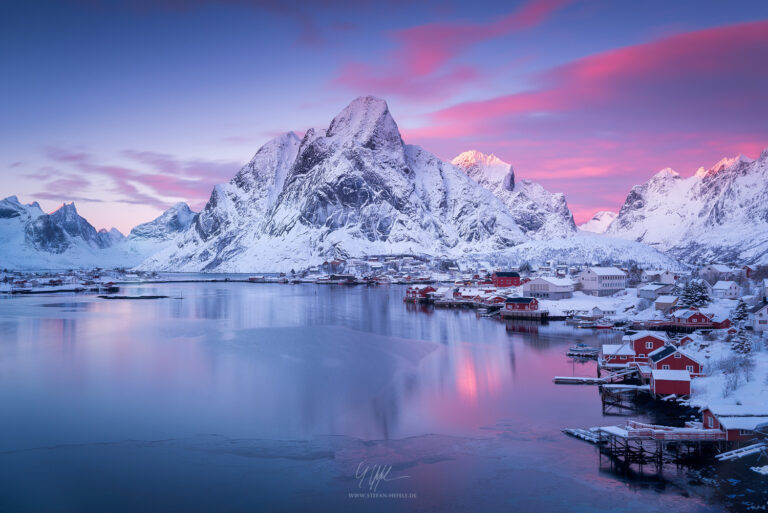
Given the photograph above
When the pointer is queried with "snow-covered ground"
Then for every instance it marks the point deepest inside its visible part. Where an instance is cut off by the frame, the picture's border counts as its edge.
(728, 381)
(624, 303)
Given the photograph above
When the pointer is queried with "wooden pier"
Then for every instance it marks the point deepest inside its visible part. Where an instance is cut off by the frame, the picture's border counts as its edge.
(524, 315)
(637, 443)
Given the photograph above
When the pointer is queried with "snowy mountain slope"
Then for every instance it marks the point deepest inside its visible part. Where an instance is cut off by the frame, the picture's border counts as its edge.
(32, 239)
(585, 247)
(539, 213)
(718, 214)
(599, 222)
(354, 188)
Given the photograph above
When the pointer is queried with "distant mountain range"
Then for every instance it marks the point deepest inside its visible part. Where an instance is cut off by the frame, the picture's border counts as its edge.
(355, 188)
(32, 239)
(718, 214)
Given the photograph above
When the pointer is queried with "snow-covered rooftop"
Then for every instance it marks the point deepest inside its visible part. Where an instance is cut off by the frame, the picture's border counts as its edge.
(670, 375)
(607, 271)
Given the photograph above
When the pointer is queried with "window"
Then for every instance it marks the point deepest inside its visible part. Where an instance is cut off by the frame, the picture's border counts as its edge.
(689, 368)
(745, 432)
(641, 355)
(678, 355)
(623, 357)
(649, 345)
(665, 367)
(710, 422)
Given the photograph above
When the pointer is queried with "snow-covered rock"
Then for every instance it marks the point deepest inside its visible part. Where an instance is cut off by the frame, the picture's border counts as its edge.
(720, 213)
(352, 189)
(599, 222)
(539, 213)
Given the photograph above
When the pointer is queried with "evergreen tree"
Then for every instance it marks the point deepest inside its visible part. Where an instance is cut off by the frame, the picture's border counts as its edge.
(740, 313)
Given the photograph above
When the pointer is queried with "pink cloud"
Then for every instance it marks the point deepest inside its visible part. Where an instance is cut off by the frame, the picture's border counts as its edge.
(420, 67)
(596, 126)
(164, 176)
(424, 49)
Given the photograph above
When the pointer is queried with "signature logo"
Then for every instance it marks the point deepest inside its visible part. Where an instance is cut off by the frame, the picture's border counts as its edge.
(371, 476)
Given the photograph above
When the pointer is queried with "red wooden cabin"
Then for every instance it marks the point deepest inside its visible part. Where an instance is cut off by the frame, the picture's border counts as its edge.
(672, 358)
(526, 304)
(503, 279)
(667, 382)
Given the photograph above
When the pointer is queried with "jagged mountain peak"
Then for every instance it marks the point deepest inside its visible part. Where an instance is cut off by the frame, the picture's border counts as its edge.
(600, 222)
(367, 121)
(66, 211)
(171, 222)
(482, 167)
(666, 173)
(721, 165)
(540, 213)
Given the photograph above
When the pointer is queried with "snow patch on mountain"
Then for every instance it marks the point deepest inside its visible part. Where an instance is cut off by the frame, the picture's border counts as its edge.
(539, 213)
(599, 222)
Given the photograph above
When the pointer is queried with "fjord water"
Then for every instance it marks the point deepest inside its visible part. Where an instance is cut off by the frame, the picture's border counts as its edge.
(266, 397)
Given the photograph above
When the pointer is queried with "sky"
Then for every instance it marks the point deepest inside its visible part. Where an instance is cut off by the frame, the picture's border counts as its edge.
(128, 106)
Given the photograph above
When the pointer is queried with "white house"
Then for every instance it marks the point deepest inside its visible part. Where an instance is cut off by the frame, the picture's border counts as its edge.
(549, 288)
(725, 290)
(602, 281)
(760, 317)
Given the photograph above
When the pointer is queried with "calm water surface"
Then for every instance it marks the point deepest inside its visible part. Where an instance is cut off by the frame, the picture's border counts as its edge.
(260, 397)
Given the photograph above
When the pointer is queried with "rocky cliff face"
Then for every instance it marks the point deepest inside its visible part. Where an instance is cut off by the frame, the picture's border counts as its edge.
(353, 188)
(720, 213)
(539, 213)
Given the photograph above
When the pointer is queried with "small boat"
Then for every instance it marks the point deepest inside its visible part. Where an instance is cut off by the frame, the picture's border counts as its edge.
(603, 325)
(583, 350)
(586, 324)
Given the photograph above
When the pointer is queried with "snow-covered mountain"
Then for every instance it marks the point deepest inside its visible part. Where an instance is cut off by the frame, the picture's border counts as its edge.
(539, 213)
(353, 188)
(32, 239)
(718, 214)
(169, 224)
(599, 222)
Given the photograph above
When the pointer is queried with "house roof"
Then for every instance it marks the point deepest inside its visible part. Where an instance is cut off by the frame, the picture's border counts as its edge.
(724, 285)
(738, 410)
(507, 274)
(617, 350)
(666, 299)
(721, 268)
(520, 300)
(757, 308)
(670, 375)
(607, 271)
(643, 334)
(661, 353)
(559, 282)
(686, 313)
(746, 423)
(653, 286)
